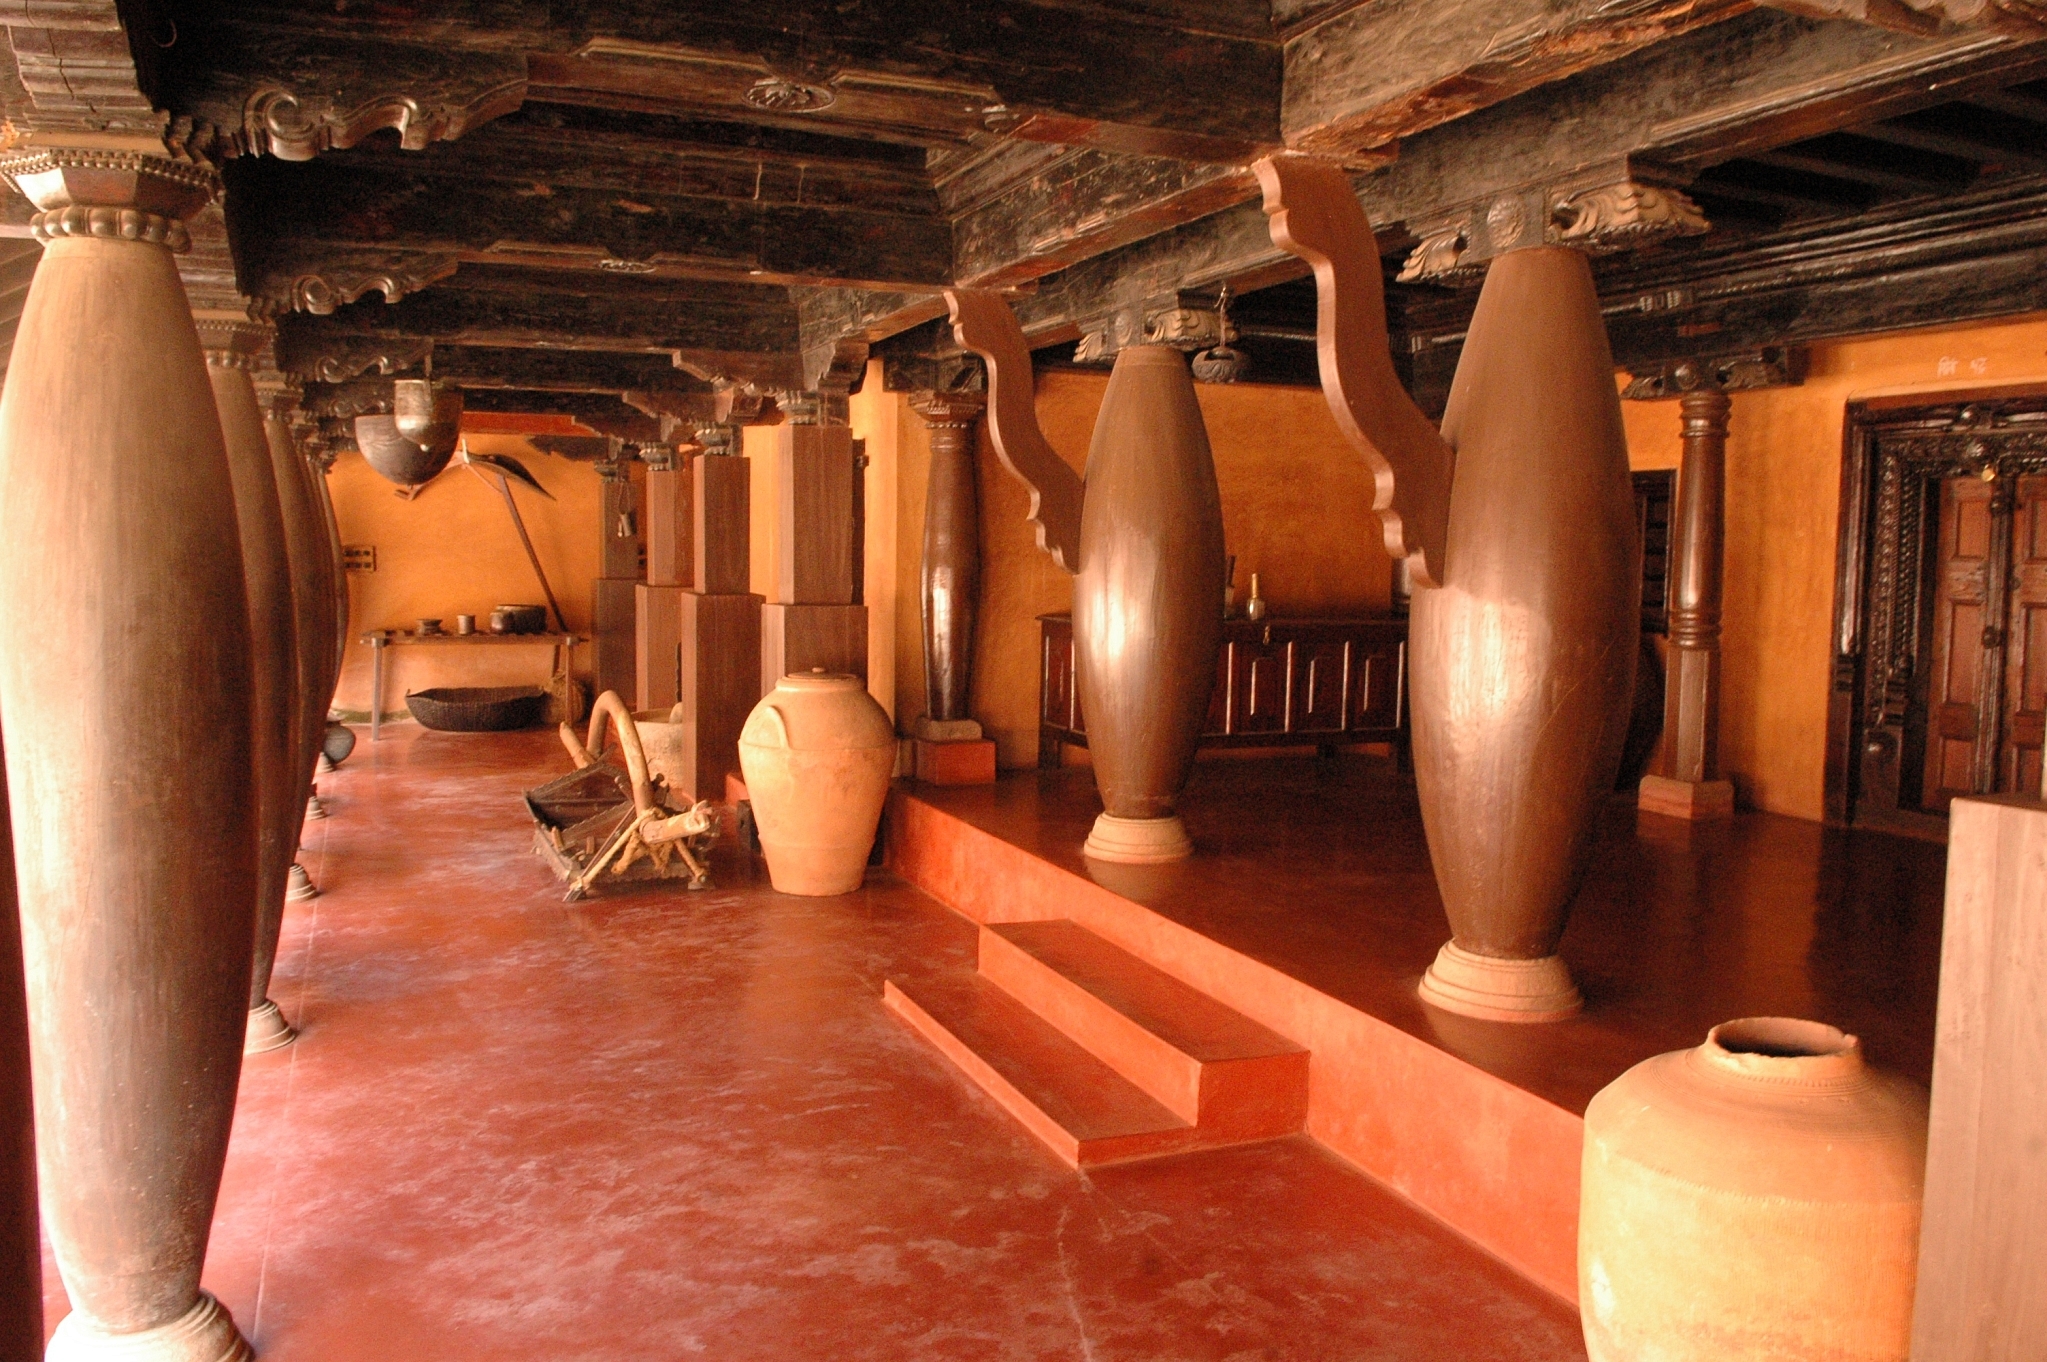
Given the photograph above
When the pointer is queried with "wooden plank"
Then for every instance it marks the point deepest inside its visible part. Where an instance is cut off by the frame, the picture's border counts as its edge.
(1346, 89)
(1983, 1242)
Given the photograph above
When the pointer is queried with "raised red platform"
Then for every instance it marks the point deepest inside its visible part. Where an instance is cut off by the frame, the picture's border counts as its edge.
(1309, 913)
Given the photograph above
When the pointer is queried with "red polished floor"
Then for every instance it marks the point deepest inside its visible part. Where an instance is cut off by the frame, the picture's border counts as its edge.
(666, 1125)
(1318, 868)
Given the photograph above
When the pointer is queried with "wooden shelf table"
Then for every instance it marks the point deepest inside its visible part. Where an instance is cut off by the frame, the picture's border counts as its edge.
(381, 639)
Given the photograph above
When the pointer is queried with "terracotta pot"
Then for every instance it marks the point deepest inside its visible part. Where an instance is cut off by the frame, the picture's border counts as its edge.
(1522, 664)
(817, 754)
(1757, 1197)
(1145, 627)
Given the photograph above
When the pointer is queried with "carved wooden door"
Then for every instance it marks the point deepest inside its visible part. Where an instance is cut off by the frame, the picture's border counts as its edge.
(1940, 668)
(1962, 571)
(2025, 642)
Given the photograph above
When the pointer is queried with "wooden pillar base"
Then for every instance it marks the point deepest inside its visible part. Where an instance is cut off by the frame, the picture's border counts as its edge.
(961, 761)
(268, 1030)
(658, 645)
(1138, 841)
(1493, 988)
(720, 684)
(205, 1333)
(1697, 800)
(801, 638)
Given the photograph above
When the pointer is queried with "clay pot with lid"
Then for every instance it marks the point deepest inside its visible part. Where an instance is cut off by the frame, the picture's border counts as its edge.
(1756, 1197)
(817, 753)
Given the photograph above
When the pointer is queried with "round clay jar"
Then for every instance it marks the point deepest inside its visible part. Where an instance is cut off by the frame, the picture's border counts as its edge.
(1757, 1197)
(817, 753)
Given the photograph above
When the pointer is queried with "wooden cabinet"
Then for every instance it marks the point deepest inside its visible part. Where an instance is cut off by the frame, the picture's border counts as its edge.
(1278, 683)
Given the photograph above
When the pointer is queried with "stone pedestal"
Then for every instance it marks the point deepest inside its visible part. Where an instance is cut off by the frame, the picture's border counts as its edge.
(962, 761)
(1694, 799)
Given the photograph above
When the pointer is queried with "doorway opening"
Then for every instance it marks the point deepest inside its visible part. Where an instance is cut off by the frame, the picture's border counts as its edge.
(1940, 623)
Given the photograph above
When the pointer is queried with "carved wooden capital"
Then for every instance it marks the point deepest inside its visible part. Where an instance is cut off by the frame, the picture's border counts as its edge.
(231, 340)
(115, 192)
(1602, 210)
(949, 410)
(1770, 366)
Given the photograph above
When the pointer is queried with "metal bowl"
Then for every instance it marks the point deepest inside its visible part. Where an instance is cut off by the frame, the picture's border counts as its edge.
(477, 709)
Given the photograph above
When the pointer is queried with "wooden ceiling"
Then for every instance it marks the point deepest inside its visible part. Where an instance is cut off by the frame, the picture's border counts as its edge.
(561, 202)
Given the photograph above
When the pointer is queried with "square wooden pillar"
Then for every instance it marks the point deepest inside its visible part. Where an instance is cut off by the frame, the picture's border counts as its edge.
(816, 618)
(1983, 1236)
(614, 612)
(718, 621)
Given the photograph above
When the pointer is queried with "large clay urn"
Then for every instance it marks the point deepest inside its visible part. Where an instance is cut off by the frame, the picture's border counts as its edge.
(817, 753)
(1522, 663)
(1757, 1197)
(1145, 621)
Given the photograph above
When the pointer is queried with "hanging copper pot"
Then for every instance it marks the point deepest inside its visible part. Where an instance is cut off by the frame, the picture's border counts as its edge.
(395, 457)
(427, 413)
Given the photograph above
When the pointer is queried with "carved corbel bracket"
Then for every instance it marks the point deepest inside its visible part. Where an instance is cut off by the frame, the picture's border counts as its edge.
(336, 359)
(1769, 366)
(231, 338)
(1315, 215)
(322, 288)
(983, 323)
(294, 127)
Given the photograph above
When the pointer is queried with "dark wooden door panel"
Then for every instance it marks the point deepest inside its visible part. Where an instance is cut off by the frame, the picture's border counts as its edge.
(1321, 691)
(1961, 575)
(2025, 657)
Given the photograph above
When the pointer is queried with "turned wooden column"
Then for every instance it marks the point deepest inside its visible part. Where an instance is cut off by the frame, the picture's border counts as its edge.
(21, 1240)
(1689, 785)
(312, 589)
(950, 748)
(125, 671)
(231, 344)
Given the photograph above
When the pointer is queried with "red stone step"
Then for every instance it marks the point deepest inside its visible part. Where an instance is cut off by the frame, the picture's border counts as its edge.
(1061, 1093)
(1207, 1063)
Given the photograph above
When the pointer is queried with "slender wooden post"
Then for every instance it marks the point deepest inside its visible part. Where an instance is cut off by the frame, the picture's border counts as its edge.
(231, 344)
(1690, 786)
(951, 572)
(125, 679)
(21, 1240)
(949, 746)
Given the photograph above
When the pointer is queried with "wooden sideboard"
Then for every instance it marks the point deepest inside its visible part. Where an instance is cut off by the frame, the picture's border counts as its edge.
(1278, 683)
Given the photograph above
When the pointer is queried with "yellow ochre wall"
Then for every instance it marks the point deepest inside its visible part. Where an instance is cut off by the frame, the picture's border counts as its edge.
(1295, 501)
(1783, 516)
(453, 550)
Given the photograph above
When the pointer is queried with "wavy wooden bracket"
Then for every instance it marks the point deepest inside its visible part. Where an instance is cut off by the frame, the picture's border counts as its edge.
(983, 323)
(1316, 217)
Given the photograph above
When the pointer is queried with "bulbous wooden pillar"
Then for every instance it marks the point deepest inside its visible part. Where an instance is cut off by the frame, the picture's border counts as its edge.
(1146, 622)
(951, 570)
(125, 679)
(21, 1240)
(305, 543)
(230, 347)
(1523, 661)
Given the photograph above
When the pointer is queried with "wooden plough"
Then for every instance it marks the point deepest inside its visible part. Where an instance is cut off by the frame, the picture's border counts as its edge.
(598, 819)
